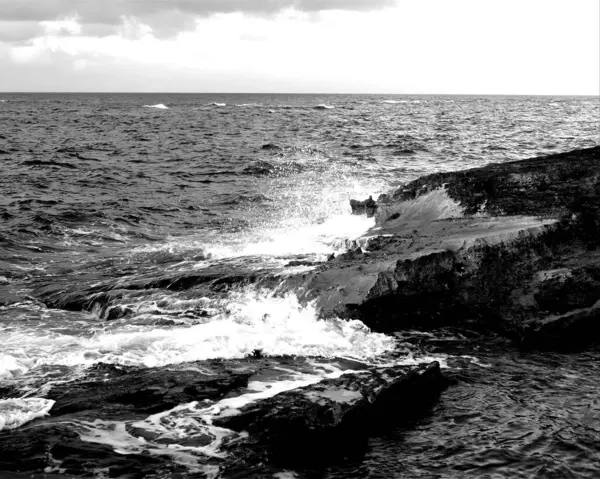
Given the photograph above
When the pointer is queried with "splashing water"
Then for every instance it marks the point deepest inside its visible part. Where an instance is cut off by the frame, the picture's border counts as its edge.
(247, 320)
(432, 206)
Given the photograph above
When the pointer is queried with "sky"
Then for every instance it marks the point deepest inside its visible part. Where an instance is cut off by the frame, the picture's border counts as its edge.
(545, 47)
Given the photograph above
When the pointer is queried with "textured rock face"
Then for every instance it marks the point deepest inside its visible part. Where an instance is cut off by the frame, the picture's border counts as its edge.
(333, 418)
(314, 424)
(548, 185)
(508, 247)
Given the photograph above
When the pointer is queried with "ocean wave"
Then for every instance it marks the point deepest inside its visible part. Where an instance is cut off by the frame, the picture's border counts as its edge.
(249, 105)
(16, 412)
(322, 106)
(214, 103)
(159, 106)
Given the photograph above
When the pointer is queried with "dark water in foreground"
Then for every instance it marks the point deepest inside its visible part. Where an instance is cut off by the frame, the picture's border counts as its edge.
(113, 193)
(521, 415)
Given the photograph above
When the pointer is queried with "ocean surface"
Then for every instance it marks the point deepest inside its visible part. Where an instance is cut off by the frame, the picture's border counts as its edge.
(116, 209)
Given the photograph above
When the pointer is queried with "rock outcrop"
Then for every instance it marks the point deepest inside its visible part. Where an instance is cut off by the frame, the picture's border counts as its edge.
(332, 419)
(510, 248)
(315, 424)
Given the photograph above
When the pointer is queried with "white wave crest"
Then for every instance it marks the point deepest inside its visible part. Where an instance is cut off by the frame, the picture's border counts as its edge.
(214, 103)
(159, 106)
(322, 106)
(395, 102)
(16, 412)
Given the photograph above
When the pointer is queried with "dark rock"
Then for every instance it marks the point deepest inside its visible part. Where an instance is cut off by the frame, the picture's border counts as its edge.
(139, 392)
(547, 185)
(270, 146)
(35, 446)
(334, 418)
(368, 207)
(117, 312)
(300, 263)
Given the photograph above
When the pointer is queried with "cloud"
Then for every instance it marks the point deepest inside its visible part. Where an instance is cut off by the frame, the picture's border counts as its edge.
(19, 31)
(165, 17)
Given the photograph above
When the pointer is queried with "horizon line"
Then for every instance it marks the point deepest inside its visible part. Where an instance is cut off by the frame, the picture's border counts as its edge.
(288, 93)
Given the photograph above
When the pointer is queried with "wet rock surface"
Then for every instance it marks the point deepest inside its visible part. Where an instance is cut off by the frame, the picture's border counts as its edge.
(332, 420)
(509, 248)
(315, 424)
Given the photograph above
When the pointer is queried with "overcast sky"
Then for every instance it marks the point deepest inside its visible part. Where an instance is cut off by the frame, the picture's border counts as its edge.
(362, 46)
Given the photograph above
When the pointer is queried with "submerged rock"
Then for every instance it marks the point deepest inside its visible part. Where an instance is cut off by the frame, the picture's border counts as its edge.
(368, 207)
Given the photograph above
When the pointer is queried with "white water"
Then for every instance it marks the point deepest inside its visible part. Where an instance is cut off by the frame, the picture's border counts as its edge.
(16, 412)
(432, 206)
(159, 106)
(396, 102)
(248, 320)
(331, 236)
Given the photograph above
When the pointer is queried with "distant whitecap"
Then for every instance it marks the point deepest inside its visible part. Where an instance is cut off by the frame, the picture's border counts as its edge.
(214, 103)
(322, 106)
(395, 102)
(160, 106)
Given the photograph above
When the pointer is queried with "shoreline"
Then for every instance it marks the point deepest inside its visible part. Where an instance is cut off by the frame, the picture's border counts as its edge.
(513, 250)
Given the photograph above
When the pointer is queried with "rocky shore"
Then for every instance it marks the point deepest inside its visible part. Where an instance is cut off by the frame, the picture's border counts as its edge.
(510, 248)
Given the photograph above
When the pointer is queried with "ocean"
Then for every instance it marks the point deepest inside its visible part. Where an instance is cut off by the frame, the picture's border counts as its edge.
(150, 231)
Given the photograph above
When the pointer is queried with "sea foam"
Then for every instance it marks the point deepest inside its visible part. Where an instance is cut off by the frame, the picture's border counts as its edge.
(16, 412)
